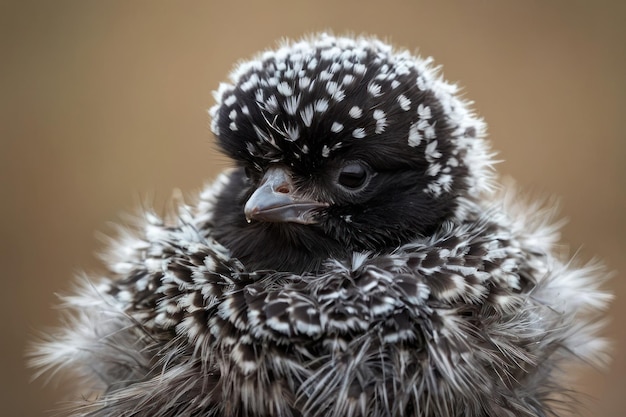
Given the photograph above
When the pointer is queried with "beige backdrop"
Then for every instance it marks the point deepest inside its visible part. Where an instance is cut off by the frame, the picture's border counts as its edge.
(103, 105)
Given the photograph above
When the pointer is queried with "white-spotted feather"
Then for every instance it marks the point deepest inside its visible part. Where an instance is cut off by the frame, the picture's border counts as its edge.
(476, 318)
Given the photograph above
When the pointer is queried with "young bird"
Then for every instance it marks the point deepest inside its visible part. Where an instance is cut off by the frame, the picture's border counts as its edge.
(356, 261)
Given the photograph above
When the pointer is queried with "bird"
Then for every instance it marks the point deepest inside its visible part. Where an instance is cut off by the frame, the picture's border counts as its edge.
(360, 257)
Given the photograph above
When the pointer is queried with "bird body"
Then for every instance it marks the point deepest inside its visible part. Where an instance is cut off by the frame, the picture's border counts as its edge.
(354, 262)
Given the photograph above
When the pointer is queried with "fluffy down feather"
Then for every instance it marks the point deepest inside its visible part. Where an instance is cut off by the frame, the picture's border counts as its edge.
(465, 306)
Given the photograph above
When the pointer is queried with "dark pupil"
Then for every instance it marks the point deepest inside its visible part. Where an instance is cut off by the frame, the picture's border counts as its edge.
(352, 176)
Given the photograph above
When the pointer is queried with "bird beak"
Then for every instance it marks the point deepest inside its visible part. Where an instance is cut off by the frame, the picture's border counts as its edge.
(276, 200)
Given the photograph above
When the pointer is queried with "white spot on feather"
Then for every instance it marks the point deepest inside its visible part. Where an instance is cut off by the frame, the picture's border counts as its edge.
(360, 69)
(335, 67)
(331, 53)
(293, 133)
(230, 100)
(405, 103)
(348, 79)
(431, 151)
(414, 135)
(358, 133)
(291, 104)
(446, 182)
(355, 112)
(424, 111)
(284, 88)
(251, 83)
(421, 83)
(304, 82)
(321, 105)
(312, 64)
(307, 115)
(374, 89)
(429, 132)
(324, 76)
(336, 127)
(381, 120)
(433, 169)
(271, 105)
(333, 89)
(259, 95)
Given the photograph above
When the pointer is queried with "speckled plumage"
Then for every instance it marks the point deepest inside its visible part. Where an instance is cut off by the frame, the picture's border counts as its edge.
(409, 287)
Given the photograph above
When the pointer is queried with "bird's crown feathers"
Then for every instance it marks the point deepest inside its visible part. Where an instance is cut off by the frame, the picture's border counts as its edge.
(324, 95)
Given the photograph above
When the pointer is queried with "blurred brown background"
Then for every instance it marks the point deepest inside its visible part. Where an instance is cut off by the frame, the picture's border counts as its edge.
(104, 103)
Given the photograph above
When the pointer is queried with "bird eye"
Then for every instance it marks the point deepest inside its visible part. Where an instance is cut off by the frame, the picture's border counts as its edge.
(354, 175)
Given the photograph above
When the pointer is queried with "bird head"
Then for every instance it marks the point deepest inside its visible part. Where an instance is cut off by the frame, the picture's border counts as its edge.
(342, 145)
